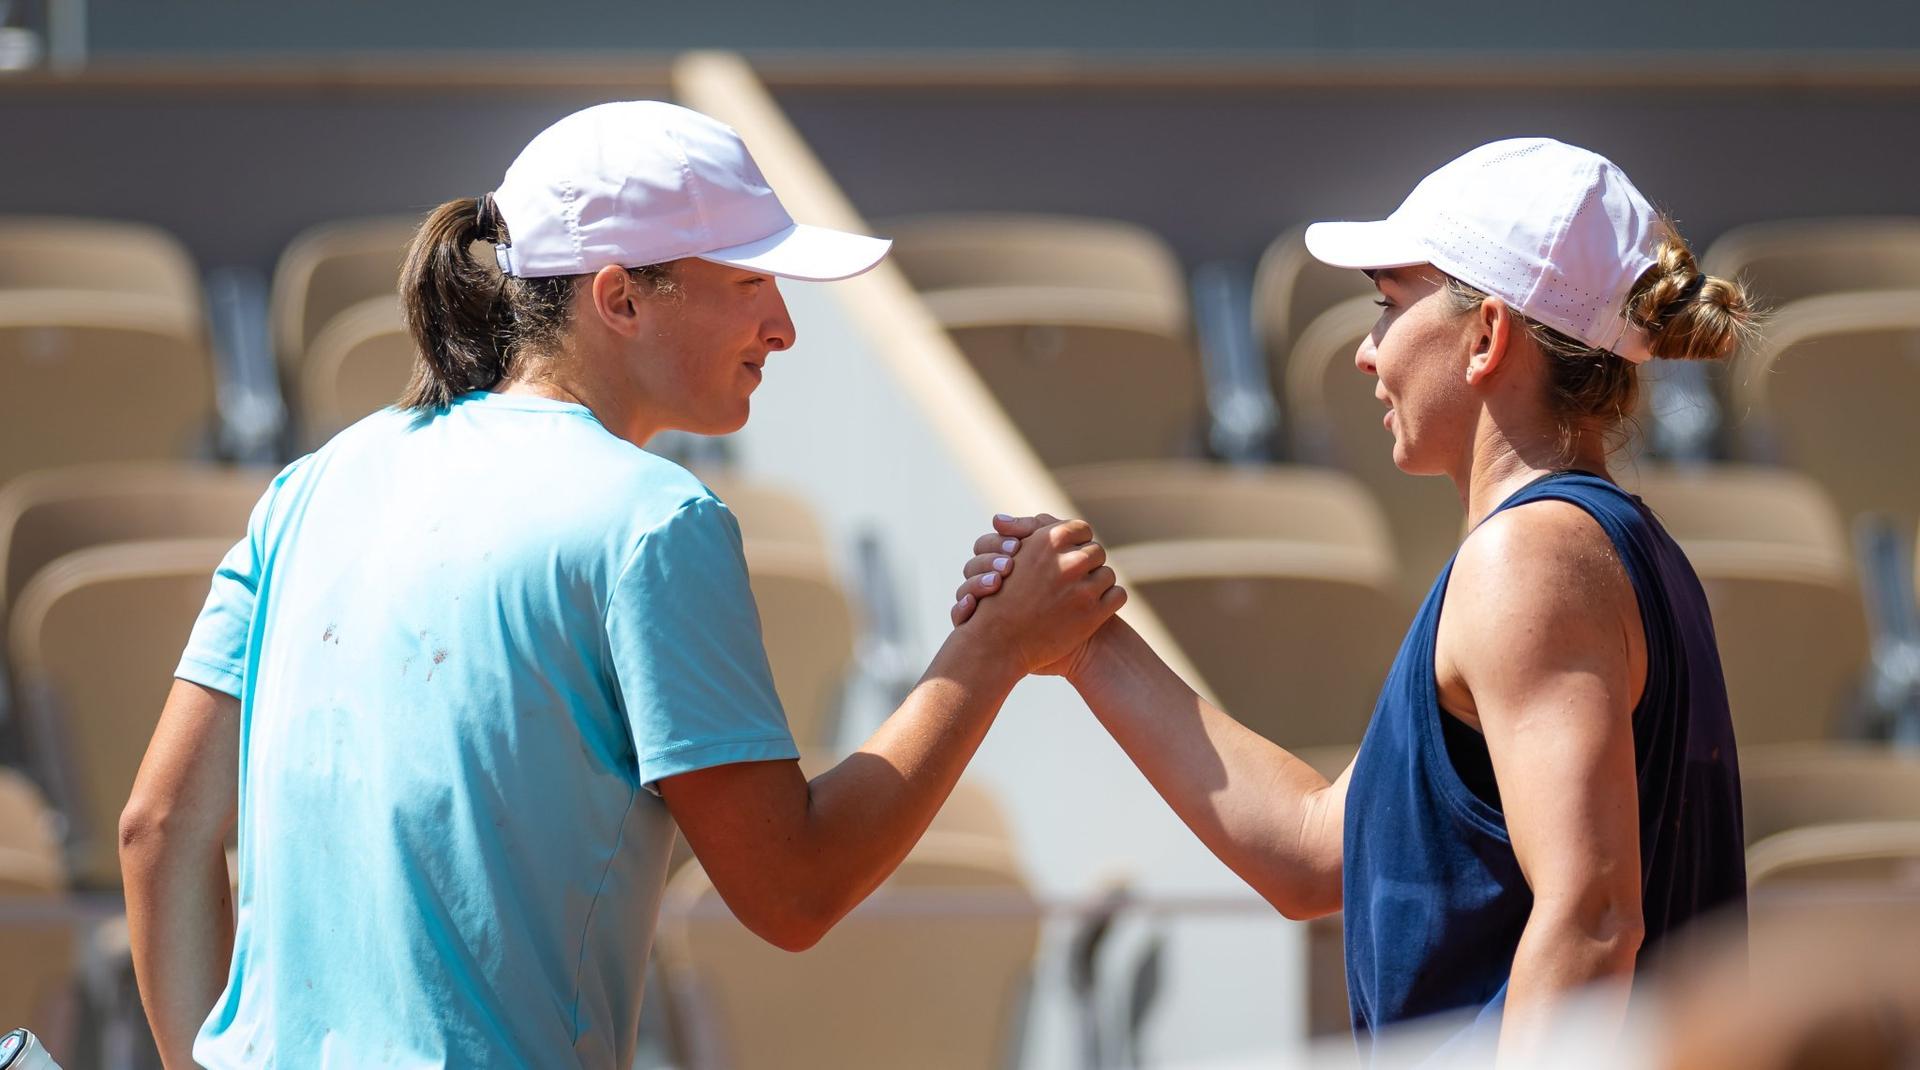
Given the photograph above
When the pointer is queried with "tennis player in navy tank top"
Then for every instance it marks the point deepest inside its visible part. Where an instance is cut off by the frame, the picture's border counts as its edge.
(1548, 790)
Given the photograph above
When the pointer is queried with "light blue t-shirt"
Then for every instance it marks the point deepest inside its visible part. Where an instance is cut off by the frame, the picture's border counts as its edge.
(467, 645)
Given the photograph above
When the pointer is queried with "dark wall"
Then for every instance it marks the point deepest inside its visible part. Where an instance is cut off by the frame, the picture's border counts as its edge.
(146, 26)
(1221, 172)
(238, 172)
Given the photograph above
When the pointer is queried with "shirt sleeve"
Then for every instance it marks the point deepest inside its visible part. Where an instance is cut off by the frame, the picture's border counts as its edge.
(216, 653)
(685, 640)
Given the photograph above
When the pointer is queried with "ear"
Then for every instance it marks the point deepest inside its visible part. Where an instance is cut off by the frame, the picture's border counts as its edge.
(1493, 326)
(615, 300)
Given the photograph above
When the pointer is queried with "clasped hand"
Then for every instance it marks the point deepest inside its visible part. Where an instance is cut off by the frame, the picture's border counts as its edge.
(1049, 585)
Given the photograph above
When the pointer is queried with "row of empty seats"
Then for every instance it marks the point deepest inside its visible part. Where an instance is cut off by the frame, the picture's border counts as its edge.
(1082, 327)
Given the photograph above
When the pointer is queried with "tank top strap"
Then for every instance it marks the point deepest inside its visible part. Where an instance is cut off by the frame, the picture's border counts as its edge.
(1618, 513)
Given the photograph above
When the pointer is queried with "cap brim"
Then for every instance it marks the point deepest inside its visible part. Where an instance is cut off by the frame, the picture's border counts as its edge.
(1365, 246)
(813, 254)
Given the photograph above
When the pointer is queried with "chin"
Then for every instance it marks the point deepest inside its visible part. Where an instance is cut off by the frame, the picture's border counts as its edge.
(728, 424)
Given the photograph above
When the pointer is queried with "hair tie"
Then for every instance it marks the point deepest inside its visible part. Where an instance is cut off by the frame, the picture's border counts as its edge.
(486, 216)
(1691, 290)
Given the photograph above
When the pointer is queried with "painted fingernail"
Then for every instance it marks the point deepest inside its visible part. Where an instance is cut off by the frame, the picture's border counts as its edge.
(965, 601)
(1009, 546)
(990, 579)
(1000, 563)
(1003, 518)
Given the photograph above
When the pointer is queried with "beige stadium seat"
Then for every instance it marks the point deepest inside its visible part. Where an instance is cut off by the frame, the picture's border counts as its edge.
(1294, 637)
(1014, 251)
(1878, 854)
(766, 513)
(930, 972)
(1792, 635)
(54, 512)
(130, 605)
(88, 379)
(1145, 501)
(51, 253)
(808, 625)
(329, 269)
(1773, 558)
(1792, 786)
(1738, 503)
(1048, 309)
(1833, 386)
(1291, 289)
(41, 952)
(358, 364)
(1336, 421)
(1786, 260)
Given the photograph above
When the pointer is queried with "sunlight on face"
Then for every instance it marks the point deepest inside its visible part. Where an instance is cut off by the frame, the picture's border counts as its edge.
(1418, 352)
(704, 354)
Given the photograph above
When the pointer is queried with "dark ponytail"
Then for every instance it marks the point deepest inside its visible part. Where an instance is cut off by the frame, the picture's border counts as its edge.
(455, 306)
(471, 325)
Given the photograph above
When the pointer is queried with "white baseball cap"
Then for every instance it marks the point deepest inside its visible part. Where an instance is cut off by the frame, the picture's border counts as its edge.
(1556, 231)
(643, 182)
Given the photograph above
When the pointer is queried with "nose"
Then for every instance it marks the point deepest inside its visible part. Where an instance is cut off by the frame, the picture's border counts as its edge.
(1363, 356)
(778, 330)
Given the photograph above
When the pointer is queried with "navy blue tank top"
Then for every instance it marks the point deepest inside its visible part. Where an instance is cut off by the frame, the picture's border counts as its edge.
(1434, 898)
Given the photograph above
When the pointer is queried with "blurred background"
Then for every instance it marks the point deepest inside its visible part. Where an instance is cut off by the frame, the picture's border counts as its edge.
(1099, 304)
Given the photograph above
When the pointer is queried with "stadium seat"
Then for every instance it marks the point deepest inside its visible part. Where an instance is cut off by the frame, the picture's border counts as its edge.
(1792, 636)
(1145, 501)
(89, 379)
(1290, 290)
(1293, 637)
(1861, 854)
(96, 256)
(1336, 421)
(41, 951)
(766, 513)
(358, 364)
(1738, 503)
(1049, 308)
(1270, 578)
(930, 972)
(807, 624)
(53, 512)
(1773, 558)
(1831, 390)
(1789, 259)
(325, 271)
(1792, 786)
(130, 605)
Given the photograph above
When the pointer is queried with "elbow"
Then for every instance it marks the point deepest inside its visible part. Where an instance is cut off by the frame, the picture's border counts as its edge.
(143, 833)
(1610, 932)
(1303, 896)
(150, 828)
(1616, 931)
(792, 928)
(792, 919)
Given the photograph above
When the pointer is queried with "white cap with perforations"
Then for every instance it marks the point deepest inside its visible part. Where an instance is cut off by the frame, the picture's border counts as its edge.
(1555, 231)
(642, 182)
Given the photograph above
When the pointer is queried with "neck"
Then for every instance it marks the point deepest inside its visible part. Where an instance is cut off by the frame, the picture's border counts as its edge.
(562, 378)
(1501, 460)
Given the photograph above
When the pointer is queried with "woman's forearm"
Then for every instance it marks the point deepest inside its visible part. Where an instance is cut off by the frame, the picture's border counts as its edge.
(1271, 817)
(180, 923)
(1561, 953)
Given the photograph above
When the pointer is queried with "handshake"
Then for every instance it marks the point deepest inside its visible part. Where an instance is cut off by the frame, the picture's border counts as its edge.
(1040, 588)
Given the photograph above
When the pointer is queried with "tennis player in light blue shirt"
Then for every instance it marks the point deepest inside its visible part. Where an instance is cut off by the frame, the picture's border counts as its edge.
(478, 657)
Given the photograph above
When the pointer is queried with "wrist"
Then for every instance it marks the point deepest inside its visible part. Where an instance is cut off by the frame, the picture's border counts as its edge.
(983, 655)
(1097, 656)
